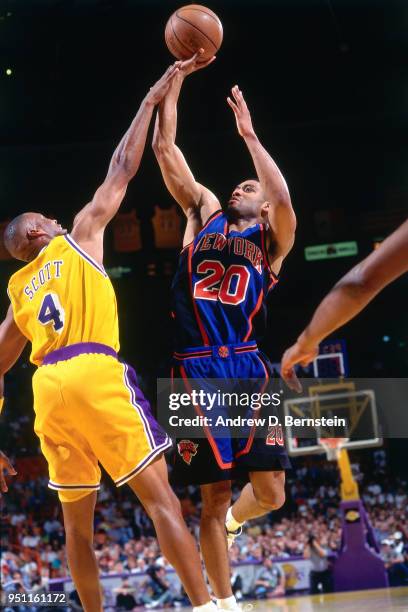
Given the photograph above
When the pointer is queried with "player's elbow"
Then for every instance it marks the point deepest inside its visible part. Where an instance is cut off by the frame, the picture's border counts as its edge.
(162, 148)
(360, 282)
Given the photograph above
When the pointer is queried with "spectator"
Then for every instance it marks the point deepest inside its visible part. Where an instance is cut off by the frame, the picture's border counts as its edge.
(320, 575)
(125, 599)
(161, 593)
(74, 601)
(270, 582)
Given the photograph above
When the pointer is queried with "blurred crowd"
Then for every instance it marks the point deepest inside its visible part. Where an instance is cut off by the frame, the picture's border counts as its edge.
(34, 545)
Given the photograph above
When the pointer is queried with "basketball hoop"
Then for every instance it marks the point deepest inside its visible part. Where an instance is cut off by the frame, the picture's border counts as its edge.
(332, 447)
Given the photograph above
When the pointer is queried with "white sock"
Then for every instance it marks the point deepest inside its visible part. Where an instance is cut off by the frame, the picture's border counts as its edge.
(229, 603)
(230, 522)
(207, 607)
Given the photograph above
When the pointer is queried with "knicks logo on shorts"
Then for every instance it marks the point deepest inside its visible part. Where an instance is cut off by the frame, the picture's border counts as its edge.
(223, 351)
(187, 450)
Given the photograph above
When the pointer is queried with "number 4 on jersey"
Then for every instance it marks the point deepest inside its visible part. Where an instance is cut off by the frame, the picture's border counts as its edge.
(51, 311)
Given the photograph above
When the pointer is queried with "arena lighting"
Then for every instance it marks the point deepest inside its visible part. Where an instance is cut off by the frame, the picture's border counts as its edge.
(9, 71)
(331, 251)
(386, 338)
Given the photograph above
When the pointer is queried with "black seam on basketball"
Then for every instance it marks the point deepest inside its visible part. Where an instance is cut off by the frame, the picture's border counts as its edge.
(178, 40)
(198, 29)
(190, 8)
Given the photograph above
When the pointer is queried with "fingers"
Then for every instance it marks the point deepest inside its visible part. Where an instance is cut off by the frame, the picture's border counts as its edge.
(198, 54)
(232, 105)
(3, 484)
(5, 466)
(10, 469)
(172, 74)
(201, 65)
(192, 60)
(290, 378)
(237, 93)
(289, 360)
(193, 63)
(172, 69)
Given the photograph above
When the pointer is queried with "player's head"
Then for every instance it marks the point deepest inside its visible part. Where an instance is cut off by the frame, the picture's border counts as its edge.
(27, 234)
(248, 201)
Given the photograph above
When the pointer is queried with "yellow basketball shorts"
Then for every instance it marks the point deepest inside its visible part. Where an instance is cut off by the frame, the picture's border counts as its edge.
(89, 409)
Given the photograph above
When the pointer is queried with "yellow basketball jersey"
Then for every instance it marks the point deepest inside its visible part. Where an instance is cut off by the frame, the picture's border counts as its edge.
(63, 297)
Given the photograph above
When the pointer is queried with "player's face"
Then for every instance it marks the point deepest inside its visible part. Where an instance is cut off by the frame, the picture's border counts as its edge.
(38, 232)
(51, 227)
(247, 200)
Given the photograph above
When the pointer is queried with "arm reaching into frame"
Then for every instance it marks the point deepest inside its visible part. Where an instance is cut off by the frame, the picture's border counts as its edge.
(281, 217)
(12, 343)
(90, 223)
(5, 468)
(197, 202)
(347, 298)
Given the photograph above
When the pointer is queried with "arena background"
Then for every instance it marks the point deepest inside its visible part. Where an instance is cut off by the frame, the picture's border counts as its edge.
(326, 84)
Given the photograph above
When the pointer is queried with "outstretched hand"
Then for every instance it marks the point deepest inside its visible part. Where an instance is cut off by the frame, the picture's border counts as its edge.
(5, 468)
(161, 87)
(292, 356)
(241, 112)
(193, 64)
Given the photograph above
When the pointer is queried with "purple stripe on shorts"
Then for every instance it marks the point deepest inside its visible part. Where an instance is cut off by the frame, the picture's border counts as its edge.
(156, 435)
(53, 485)
(73, 350)
(160, 449)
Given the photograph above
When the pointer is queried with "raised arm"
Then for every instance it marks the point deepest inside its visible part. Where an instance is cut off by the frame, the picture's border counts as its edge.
(197, 201)
(281, 217)
(347, 298)
(90, 223)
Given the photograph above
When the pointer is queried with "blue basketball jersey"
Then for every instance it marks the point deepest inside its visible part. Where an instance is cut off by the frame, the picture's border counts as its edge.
(221, 285)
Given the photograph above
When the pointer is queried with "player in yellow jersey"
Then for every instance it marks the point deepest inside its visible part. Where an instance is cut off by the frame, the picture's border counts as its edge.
(88, 408)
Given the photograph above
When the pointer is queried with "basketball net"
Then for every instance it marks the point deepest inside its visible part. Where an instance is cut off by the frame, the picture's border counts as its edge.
(332, 447)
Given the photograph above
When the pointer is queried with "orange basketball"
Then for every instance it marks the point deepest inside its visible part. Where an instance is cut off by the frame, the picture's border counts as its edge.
(193, 27)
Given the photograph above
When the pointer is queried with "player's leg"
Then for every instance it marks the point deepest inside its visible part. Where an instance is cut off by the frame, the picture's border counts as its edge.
(265, 460)
(216, 498)
(265, 492)
(176, 543)
(79, 522)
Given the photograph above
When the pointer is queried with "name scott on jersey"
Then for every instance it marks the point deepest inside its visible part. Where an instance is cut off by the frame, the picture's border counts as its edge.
(52, 269)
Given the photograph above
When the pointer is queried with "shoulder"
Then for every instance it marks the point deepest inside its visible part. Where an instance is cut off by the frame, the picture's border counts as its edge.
(216, 222)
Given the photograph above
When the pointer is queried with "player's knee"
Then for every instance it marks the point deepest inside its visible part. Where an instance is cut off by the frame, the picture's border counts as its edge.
(271, 498)
(166, 505)
(77, 533)
(217, 500)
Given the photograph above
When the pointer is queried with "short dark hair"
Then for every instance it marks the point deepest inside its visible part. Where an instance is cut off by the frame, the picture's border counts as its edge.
(11, 231)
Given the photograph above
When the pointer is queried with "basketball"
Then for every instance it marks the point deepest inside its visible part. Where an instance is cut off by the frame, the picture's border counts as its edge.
(193, 27)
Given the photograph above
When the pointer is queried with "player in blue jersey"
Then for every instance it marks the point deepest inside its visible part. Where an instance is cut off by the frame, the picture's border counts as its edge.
(229, 263)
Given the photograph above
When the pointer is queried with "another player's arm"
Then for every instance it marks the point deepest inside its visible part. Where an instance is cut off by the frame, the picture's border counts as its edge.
(347, 298)
(12, 343)
(281, 216)
(197, 202)
(90, 223)
(5, 468)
